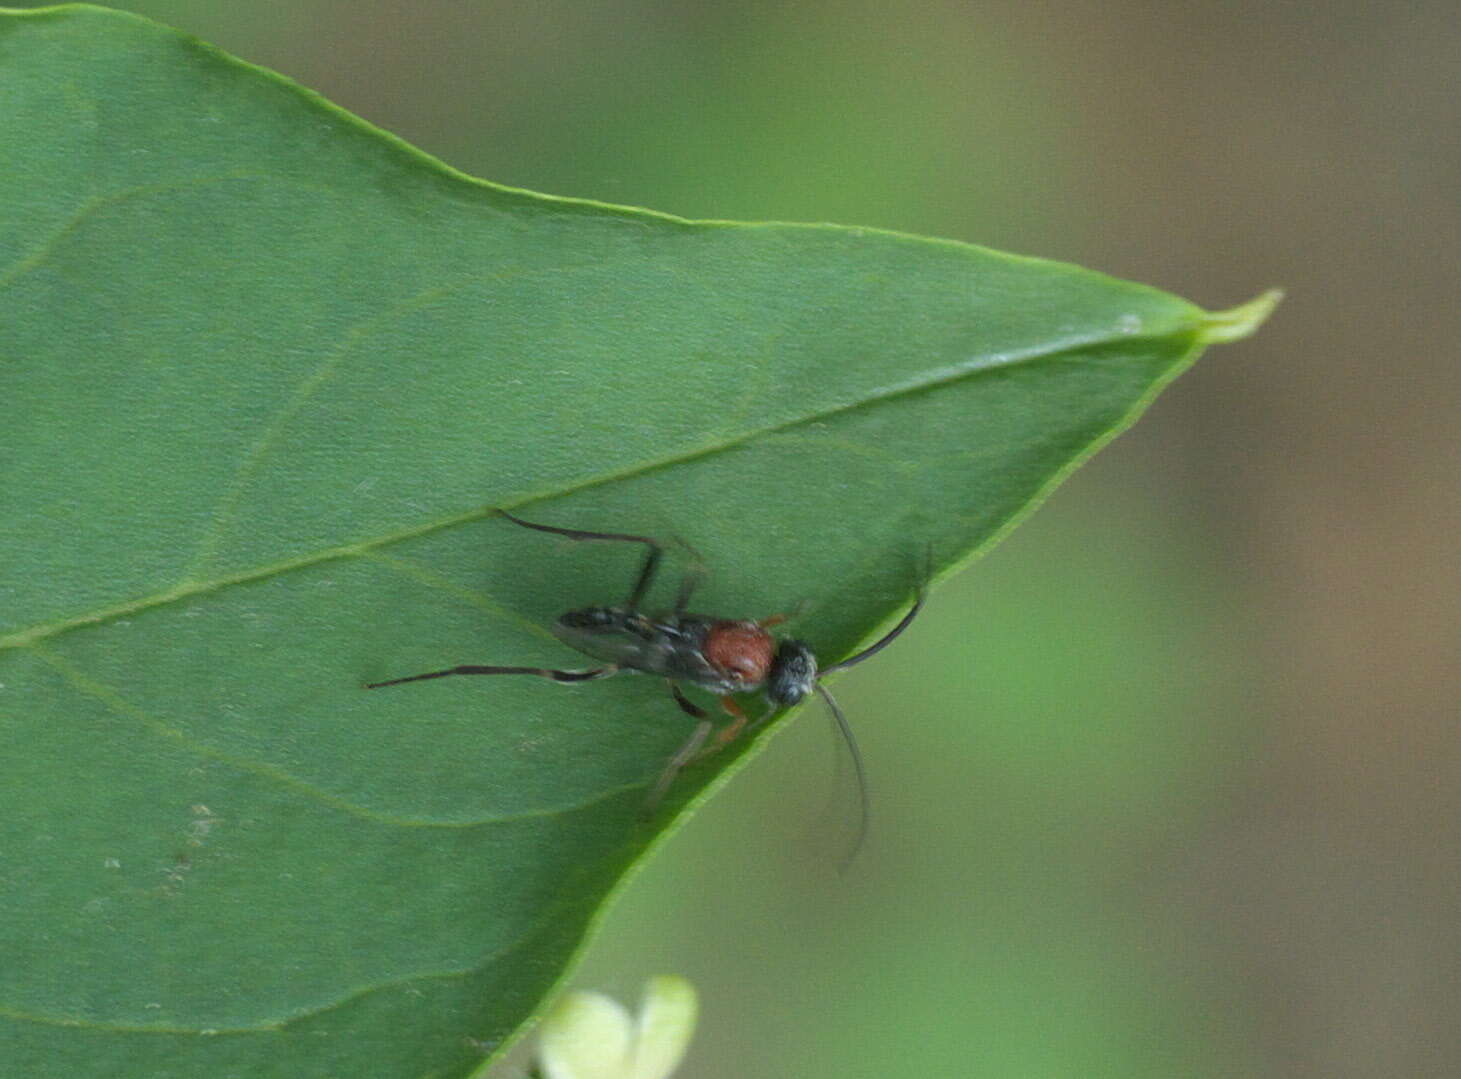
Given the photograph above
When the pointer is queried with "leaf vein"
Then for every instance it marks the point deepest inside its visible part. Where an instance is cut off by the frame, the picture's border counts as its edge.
(117, 703)
(938, 377)
(431, 579)
(94, 205)
(228, 503)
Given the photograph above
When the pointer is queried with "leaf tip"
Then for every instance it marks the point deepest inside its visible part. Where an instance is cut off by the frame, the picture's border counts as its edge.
(1236, 323)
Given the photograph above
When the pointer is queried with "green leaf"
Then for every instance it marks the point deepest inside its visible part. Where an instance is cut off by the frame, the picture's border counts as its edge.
(266, 371)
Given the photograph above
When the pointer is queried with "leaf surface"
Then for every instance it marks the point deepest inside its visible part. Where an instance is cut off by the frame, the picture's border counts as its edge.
(266, 372)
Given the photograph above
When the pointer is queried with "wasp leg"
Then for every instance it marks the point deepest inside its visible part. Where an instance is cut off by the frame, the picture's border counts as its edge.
(726, 735)
(688, 584)
(783, 616)
(687, 752)
(646, 572)
(763, 719)
(541, 672)
(694, 749)
(686, 704)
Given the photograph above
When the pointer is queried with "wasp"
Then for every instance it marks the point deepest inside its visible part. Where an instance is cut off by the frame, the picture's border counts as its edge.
(724, 656)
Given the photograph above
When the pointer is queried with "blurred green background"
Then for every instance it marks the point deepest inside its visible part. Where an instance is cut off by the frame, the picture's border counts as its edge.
(1168, 784)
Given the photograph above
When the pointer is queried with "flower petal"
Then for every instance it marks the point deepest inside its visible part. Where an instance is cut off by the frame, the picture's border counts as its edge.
(586, 1036)
(666, 1022)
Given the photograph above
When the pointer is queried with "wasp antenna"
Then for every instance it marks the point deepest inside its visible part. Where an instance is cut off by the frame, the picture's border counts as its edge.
(887, 639)
(862, 800)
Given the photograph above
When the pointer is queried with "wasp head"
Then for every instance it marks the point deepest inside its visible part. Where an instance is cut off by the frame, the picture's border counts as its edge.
(793, 673)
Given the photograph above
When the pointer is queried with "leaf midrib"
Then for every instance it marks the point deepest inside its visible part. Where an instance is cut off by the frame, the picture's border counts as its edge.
(945, 376)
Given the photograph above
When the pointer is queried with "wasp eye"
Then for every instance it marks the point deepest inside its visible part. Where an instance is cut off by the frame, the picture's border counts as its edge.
(792, 675)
